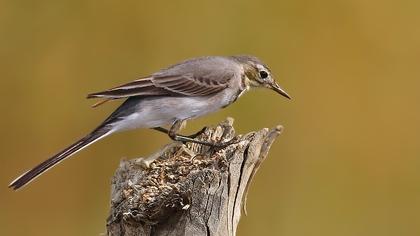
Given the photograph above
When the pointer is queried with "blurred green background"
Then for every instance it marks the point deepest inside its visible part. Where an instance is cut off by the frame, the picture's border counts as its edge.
(347, 164)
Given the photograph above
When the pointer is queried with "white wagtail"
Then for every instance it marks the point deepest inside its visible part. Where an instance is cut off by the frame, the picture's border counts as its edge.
(171, 96)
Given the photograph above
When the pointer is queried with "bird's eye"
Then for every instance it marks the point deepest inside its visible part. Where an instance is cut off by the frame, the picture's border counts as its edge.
(263, 74)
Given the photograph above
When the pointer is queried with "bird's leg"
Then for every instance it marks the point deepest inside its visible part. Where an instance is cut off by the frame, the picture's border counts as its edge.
(172, 133)
(166, 131)
(178, 125)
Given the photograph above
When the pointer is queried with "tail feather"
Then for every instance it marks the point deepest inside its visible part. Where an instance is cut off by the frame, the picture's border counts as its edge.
(30, 175)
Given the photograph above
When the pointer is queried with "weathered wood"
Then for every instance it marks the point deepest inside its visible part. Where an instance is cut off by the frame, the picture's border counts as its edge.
(188, 189)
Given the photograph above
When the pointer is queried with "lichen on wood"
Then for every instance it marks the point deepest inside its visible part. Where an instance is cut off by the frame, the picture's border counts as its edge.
(188, 189)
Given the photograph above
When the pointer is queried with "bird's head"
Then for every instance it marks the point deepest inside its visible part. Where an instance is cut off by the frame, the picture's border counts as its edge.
(258, 75)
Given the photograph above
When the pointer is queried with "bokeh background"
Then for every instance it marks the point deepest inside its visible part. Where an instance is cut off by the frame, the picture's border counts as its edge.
(347, 164)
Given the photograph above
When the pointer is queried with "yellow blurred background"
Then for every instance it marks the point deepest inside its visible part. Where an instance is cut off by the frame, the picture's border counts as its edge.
(347, 164)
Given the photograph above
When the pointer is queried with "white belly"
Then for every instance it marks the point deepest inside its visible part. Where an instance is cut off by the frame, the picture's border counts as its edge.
(160, 111)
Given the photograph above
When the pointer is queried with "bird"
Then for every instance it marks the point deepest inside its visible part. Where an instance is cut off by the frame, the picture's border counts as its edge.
(169, 97)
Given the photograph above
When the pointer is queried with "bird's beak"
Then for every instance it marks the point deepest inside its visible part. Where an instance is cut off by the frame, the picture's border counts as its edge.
(276, 87)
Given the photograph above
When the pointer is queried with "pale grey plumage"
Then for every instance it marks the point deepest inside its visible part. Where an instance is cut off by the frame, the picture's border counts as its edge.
(188, 78)
(180, 92)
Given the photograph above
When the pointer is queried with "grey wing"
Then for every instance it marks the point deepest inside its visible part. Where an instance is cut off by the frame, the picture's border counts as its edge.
(169, 84)
(190, 85)
(140, 87)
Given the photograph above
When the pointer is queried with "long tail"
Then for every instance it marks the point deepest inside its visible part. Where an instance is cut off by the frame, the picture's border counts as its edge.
(30, 175)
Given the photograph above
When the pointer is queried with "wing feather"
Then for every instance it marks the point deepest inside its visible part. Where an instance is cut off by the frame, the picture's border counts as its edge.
(143, 87)
(168, 85)
(190, 85)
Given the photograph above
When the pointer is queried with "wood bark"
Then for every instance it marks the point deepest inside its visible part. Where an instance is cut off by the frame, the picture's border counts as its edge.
(188, 189)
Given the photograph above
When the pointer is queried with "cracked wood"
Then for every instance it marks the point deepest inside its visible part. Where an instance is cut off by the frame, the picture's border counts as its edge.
(188, 189)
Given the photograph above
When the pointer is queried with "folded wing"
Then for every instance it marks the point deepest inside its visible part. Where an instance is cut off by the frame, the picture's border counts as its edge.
(167, 85)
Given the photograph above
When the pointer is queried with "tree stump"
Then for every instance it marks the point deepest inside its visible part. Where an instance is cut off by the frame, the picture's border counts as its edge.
(188, 189)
